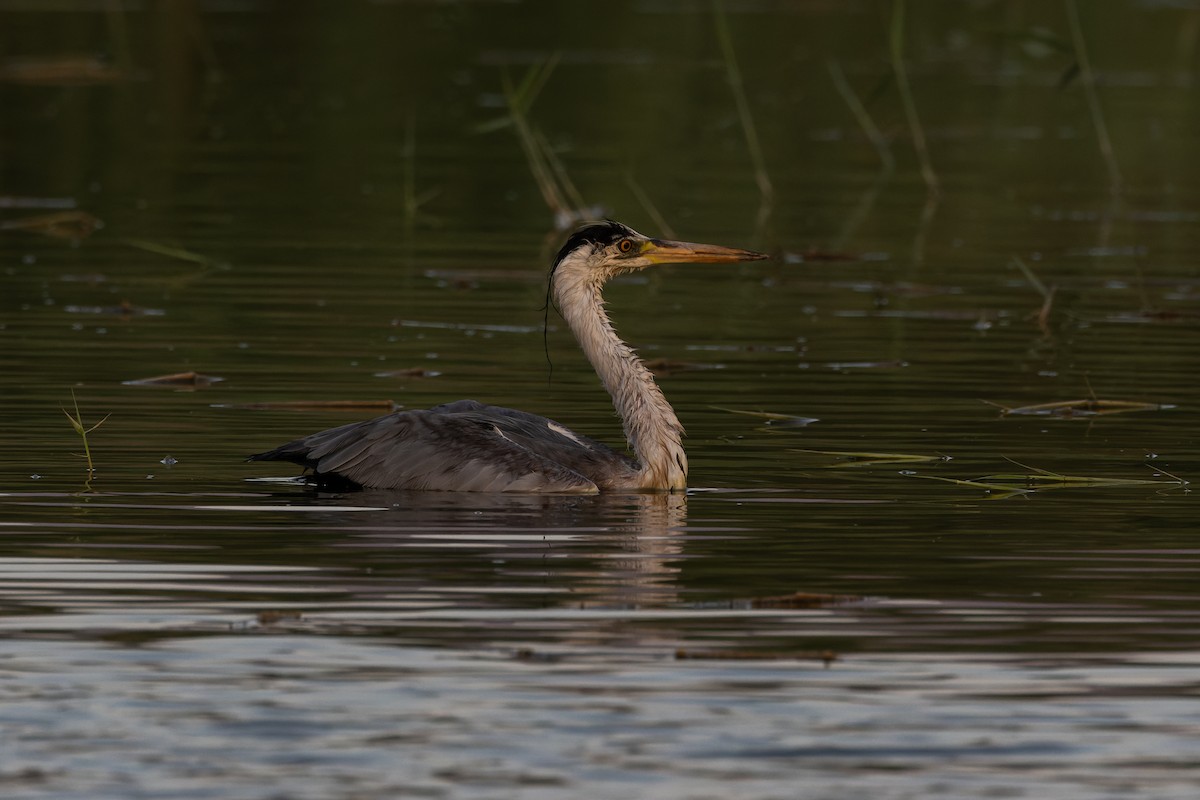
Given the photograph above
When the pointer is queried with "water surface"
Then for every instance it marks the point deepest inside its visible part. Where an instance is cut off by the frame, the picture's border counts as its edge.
(316, 206)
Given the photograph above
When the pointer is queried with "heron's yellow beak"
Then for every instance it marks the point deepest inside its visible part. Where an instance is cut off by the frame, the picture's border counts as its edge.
(665, 251)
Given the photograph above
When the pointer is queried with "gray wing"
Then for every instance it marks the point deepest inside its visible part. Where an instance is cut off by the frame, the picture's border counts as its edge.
(598, 462)
(463, 446)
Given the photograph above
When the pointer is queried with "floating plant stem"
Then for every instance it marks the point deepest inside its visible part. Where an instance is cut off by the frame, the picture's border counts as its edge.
(854, 458)
(771, 417)
(170, 251)
(1075, 409)
(1036, 479)
(1171, 475)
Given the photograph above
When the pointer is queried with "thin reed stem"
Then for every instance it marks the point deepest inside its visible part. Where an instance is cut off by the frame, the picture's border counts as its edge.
(648, 205)
(906, 98)
(1088, 77)
(734, 75)
(874, 136)
(517, 105)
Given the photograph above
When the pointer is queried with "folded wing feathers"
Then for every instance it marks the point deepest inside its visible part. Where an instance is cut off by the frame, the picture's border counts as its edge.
(463, 446)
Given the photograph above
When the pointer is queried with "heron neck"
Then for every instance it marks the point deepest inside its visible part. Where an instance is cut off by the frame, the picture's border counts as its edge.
(651, 427)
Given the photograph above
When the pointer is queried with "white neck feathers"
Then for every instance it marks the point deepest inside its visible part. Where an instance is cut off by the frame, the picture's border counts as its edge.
(651, 427)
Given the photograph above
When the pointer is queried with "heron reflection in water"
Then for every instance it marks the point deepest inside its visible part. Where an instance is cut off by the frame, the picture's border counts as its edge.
(467, 446)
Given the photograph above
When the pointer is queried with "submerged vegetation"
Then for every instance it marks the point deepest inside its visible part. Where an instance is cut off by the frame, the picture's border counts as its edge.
(1077, 409)
(1008, 484)
(853, 458)
(548, 171)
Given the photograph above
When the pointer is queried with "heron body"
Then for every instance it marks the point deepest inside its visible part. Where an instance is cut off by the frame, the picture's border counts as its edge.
(469, 446)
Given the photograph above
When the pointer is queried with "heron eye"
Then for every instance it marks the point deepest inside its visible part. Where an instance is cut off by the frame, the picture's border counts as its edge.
(625, 246)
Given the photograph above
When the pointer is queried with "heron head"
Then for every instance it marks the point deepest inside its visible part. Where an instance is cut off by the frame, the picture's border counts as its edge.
(609, 248)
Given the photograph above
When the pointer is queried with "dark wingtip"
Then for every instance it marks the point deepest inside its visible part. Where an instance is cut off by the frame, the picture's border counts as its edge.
(285, 453)
(276, 454)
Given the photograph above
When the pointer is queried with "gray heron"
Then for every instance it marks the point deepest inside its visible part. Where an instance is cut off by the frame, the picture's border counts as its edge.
(471, 447)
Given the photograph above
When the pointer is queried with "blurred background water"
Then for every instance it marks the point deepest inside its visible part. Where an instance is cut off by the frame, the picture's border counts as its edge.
(359, 201)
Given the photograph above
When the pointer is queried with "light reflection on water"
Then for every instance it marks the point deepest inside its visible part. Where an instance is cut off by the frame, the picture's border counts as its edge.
(710, 572)
(370, 718)
(473, 645)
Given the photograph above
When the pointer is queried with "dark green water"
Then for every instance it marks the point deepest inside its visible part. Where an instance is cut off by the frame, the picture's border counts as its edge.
(319, 203)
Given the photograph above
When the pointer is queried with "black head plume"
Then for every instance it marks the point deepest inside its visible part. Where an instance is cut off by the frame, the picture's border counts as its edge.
(597, 234)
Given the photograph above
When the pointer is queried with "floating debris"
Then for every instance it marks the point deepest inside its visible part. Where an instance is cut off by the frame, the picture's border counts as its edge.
(462, 326)
(176, 380)
(274, 617)
(1037, 479)
(57, 225)
(1001, 490)
(855, 458)
(842, 366)
(315, 405)
(771, 417)
(124, 309)
(169, 461)
(529, 654)
(61, 71)
(171, 251)
(411, 372)
(1070, 409)
(803, 600)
